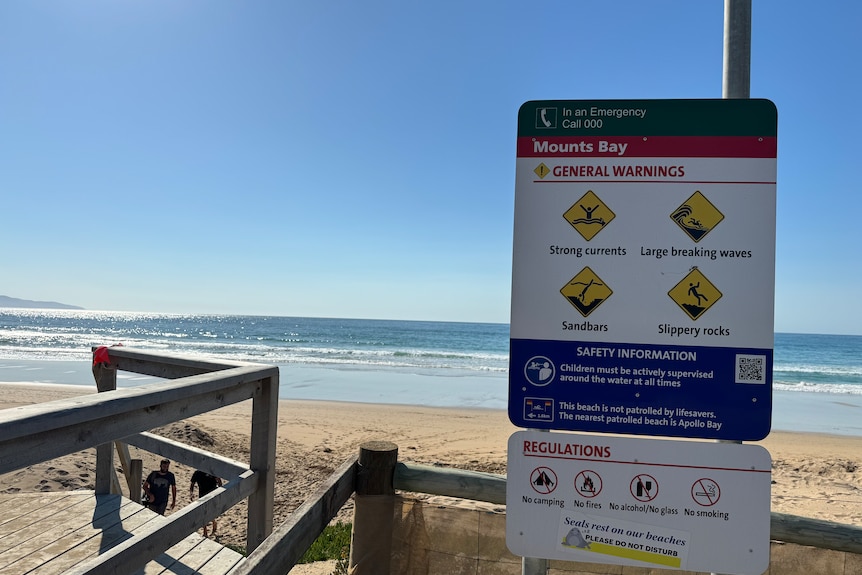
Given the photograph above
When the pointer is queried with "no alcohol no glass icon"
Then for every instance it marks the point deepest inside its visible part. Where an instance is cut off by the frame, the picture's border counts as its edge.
(644, 487)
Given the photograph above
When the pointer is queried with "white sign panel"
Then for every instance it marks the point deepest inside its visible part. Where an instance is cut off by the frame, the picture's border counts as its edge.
(643, 502)
(643, 267)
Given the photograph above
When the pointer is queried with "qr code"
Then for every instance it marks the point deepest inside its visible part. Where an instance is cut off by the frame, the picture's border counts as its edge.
(750, 368)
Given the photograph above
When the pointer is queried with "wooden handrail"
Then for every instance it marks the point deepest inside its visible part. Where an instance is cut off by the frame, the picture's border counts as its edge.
(32, 434)
(281, 550)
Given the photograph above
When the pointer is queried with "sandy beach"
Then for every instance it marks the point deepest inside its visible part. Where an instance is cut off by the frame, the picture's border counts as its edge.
(814, 475)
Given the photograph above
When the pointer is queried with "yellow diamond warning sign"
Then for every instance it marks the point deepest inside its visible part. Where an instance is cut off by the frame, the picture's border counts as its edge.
(695, 294)
(542, 170)
(697, 216)
(586, 291)
(589, 215)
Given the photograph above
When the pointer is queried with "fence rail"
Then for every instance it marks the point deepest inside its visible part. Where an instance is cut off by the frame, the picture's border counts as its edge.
(491, 488)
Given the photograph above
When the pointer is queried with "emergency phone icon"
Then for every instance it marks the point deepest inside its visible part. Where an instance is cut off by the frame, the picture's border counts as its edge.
(546, 118)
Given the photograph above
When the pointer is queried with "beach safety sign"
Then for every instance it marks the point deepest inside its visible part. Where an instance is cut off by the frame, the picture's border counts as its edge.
(650, 503)
(643, 271)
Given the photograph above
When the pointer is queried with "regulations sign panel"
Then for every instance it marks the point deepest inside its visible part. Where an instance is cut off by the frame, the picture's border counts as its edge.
(645, 502)
(644, 267)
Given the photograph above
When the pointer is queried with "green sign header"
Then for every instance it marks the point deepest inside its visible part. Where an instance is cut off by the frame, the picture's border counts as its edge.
(719, 117)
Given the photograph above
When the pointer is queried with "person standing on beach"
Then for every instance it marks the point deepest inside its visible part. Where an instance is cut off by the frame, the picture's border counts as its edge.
(156, 487)
(206, 484)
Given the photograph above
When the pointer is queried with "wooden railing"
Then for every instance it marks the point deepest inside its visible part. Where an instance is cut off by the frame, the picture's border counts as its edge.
(492, 489)
(35, 433)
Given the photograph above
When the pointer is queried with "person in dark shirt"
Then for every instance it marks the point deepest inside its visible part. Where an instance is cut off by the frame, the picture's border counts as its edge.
(156, 487)
(206, 484)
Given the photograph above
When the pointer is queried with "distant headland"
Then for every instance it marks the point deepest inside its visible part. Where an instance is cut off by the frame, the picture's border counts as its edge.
(6, 301)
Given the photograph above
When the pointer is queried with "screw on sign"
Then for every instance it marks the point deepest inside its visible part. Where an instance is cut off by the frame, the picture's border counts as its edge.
(588, 483)
(705, 492)
(543, 480)
(644, 487)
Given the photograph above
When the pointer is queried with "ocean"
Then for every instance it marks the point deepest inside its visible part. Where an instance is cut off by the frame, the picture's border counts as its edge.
(817, 379)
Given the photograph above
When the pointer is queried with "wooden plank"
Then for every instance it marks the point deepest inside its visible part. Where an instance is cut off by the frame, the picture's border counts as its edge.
(167, 366)
(12, 508)
(459, 483)
(136, 552)
(196, 557)
(69, 531)
(29, 419)
(64, 534)
(194, 457)
(30, 532)
(816, 533)
(13, 504)
(223, 562)
(58, 430)
(92, 542)
(164, 562)
(57, 540)
(184, 558)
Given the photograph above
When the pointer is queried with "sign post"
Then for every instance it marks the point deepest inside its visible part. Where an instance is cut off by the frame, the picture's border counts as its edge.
(642, 303)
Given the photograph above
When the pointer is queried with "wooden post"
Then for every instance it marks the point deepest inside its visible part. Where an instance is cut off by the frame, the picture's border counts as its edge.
(135, 480)
(126, 464)
(264, 428)
(371, 540)
(106, 380)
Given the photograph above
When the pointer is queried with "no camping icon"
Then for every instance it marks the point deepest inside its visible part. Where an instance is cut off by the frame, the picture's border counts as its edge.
(543, 480)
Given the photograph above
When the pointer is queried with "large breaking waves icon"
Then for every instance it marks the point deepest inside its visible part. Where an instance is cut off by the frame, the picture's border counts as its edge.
(697, 216)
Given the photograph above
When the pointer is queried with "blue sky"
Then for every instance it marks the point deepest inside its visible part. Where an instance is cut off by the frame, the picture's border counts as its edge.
(356, 159)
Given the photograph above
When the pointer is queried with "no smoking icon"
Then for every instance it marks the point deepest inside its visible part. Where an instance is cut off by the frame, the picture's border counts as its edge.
(705, 492)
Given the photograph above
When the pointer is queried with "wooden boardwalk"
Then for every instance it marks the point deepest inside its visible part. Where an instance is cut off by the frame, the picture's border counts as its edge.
(50, 533)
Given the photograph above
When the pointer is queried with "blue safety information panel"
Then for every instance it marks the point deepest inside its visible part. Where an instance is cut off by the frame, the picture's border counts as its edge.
(643, 268)
(676, 391)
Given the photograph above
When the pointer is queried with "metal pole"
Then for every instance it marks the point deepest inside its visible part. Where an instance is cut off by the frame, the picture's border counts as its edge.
(736, 72)
(535, 565)
(736, 78)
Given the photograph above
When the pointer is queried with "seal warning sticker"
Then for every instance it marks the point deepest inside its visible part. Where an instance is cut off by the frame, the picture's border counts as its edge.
(647, 544)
